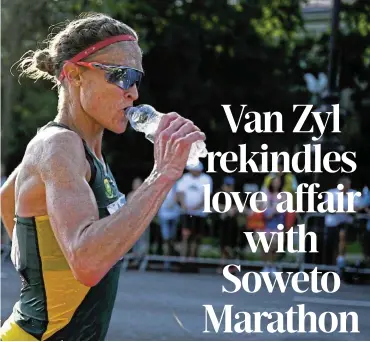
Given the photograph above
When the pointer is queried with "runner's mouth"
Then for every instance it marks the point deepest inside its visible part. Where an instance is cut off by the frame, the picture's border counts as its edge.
(124, 109)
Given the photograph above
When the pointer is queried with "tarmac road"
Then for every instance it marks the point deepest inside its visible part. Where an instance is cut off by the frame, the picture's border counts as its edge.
(168, 306)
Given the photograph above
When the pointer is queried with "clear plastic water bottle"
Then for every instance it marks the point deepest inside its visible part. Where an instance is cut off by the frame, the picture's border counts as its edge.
(145, 119)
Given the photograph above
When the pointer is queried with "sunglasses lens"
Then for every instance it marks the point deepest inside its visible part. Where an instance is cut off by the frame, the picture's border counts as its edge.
(124, 78)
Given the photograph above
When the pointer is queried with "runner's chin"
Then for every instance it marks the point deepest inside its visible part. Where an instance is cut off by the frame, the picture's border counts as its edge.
(120, 125)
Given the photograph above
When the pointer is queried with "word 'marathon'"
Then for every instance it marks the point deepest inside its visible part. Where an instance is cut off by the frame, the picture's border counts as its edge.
(292, 321)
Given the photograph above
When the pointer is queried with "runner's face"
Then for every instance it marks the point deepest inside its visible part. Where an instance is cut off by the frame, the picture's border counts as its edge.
(105, 102)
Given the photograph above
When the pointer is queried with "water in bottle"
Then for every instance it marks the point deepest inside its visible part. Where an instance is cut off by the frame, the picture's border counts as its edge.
(145, 119)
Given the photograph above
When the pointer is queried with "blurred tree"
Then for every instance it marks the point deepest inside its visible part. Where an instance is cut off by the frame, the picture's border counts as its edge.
(197, 56)
(195, 52)
(353, 77)
(27, 106)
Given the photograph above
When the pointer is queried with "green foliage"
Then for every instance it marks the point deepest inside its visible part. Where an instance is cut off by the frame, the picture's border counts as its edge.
(197, 56)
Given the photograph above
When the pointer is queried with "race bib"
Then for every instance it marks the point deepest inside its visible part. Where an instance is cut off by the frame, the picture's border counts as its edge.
(113, 207)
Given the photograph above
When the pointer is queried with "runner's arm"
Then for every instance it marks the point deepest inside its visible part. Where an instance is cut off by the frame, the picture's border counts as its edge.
(7, 200)
(92, 245)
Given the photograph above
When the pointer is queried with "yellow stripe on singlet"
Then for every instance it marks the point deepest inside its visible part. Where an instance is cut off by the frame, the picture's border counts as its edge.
(63, 292)
(10, 331)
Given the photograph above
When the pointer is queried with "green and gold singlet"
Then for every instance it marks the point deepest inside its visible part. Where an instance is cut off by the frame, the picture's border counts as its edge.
(53, 305)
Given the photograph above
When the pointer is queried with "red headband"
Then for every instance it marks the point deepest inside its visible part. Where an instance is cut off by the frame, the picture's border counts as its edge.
(93, 48)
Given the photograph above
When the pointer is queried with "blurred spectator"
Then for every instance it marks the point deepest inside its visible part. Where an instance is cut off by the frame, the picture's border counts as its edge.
(338, 226)
(169, 215)
(5, 239)
(191, 195)
(142, 245)
(365, 204)
(228, 223)
(288, 180)
(255, 221)
(272, 219)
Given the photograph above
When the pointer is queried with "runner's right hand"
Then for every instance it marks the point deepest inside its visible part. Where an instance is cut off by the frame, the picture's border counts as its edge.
(172, 143)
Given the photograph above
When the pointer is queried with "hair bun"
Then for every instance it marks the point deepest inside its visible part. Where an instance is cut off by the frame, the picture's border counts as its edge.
(44, 62)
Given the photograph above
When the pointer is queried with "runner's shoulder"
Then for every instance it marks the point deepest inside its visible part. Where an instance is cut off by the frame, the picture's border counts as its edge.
(56, 145)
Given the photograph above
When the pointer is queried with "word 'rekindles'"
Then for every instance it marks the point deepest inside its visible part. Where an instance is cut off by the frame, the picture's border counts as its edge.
(312, 158)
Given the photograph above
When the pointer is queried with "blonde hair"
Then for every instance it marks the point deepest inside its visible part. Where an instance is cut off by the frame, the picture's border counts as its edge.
(76, 36)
